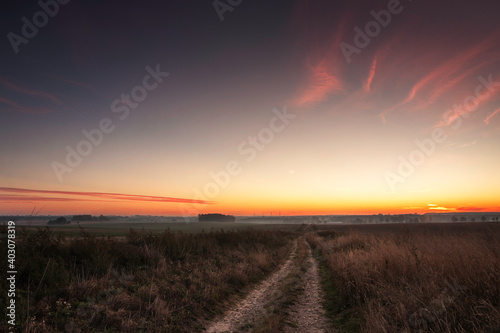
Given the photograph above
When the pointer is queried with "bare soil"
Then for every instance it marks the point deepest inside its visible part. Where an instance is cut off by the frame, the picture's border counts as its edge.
(308, 314)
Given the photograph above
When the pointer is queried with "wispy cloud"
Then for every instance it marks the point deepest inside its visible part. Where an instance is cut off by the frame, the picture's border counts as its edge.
(458, 112)
(48, 195)
(476, 209)
(432, 85)
(448, 69)
(29, 92)
(491, 115)
(34, 199)
(368, 83)
(21, 108)
(323, 82)
(440, 208)
(446, 84)
(468, 144)
(38, 93)
(323, 60)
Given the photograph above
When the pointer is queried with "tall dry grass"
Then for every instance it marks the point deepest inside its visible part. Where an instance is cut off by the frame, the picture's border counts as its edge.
(171, 282)
(416, 281)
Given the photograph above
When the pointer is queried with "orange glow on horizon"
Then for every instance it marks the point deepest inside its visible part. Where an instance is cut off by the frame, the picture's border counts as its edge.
(258, 208)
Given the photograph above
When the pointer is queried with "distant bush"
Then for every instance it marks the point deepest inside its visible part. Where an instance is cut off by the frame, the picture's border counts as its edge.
(82, 218)
(216, 218)
(59, 220)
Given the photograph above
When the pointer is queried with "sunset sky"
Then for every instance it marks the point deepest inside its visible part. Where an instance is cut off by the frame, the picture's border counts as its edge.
(291, 107)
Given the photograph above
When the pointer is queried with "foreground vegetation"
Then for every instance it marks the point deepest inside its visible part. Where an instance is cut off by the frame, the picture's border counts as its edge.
(412, 279)
(377, 278)
(171, 282)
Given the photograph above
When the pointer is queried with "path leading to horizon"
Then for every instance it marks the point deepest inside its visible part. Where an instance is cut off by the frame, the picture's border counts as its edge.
(306, 314)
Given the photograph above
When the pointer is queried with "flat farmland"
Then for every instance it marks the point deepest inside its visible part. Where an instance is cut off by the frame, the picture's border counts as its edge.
(121, 228)
(235, 277)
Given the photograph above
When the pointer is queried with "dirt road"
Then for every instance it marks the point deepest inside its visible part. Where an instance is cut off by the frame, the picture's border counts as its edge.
(305, 314)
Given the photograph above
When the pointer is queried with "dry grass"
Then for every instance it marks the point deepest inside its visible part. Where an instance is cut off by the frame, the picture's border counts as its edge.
(429, 280)
(169, 282)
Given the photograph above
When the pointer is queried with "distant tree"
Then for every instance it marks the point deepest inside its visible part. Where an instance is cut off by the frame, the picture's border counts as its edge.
(215, 217)
(59, 220)
(454, 219)
(473, 219)
(82, 218)
(463, 219)
(483, 218)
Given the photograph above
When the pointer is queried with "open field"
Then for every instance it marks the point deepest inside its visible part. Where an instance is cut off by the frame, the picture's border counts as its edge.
(412, 278)
(440, 277)
(120, 229)
(146, 282)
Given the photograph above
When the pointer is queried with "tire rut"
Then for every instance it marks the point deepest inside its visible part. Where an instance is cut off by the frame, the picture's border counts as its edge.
(308, 314)
(249, 311)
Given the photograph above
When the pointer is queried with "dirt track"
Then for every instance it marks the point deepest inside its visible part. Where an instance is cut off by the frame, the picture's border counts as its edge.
(305, 315)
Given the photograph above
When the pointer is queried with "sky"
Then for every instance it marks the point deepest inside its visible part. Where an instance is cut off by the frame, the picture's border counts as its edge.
(249, 107)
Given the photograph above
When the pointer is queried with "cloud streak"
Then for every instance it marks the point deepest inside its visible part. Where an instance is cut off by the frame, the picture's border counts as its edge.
(30, 92)
(323, 61)
(322, 84)
(44, 195)
(491, 115)
(368, 83)
(449, 75)
(462, 111)
(21, 108)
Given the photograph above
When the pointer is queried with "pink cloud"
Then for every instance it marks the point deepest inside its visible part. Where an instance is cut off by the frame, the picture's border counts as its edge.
(463, 111)
(447, 76)
(27, 91)
(488, 118)
(323, 60)
(476, 209)
(450, 67)
(21, 108)
(368, 83)
(107, 197)
(322, 83)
